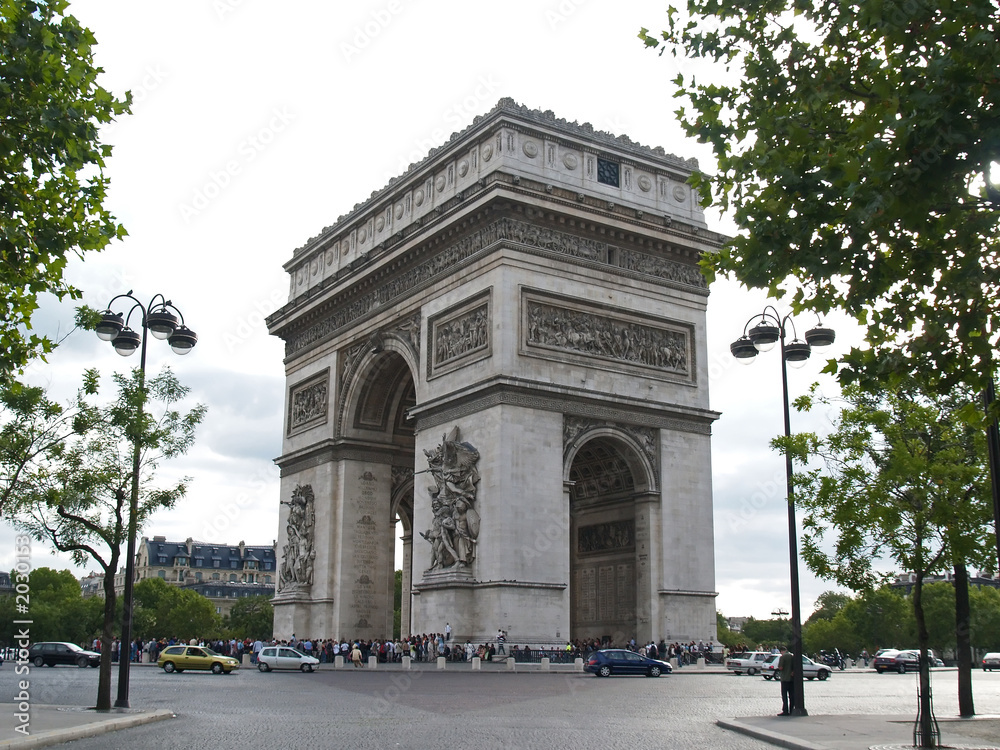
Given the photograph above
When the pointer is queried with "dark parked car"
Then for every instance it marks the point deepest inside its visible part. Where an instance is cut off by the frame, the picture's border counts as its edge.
(885, 660)
(611, 661)
(51, 653)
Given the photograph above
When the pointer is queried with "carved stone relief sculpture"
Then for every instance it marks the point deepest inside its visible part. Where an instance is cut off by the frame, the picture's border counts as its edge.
(455, 528)
(299, 553)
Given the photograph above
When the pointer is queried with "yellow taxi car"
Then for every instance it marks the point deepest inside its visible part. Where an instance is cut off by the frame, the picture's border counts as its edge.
(179, 658)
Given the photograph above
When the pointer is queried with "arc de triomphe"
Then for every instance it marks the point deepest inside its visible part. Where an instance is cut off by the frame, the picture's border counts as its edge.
(504, 349)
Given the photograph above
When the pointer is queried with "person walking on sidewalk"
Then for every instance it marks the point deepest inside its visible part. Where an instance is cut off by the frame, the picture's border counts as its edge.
(786, 673)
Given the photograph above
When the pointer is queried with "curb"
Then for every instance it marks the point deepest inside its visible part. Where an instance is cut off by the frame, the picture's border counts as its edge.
(782, 740)
(90, 729)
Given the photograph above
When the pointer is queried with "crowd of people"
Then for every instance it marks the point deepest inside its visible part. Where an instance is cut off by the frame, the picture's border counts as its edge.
(424, 647)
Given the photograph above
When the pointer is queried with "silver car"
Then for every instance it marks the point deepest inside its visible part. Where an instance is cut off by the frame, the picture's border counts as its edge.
(810, 669)
(284, 657)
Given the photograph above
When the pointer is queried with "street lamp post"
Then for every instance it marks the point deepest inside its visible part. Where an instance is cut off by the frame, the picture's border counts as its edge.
(161, 323)
(770, 329)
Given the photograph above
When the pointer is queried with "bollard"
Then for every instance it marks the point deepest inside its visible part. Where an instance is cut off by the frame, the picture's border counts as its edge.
(440, 662)
(477, 664)
(511, 664)
(406, 662)
(701, 662)
(545, 663)
(578, 664)
(372, 661)
(338, 661)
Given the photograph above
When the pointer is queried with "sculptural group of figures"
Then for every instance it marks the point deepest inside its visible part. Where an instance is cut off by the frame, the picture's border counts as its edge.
(299, 553)
(455, 529)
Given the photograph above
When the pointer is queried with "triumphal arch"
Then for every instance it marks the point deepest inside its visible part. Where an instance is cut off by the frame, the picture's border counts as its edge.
(504, 352)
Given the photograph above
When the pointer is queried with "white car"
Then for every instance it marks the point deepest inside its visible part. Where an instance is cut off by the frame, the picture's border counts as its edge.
(284, 657)
(751, 662)
(810, 669)
(991, 661)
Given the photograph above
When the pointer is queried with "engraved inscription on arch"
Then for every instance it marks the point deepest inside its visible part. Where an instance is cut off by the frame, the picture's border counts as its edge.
(460, 336)
(309, 403)
(614, 536)
(620, 337)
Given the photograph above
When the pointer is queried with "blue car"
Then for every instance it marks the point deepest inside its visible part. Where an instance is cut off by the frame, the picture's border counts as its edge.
(611, 661)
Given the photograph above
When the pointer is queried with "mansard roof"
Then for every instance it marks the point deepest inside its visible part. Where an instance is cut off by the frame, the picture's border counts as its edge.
(160, 547)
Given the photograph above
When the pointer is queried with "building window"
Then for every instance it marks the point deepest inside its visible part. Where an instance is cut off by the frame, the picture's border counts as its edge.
(197, 576)
(215, 563)
(163, 574)
(607, 172)
(215, 576)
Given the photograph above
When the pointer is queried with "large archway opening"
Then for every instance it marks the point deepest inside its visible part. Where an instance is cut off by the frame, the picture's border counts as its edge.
(603, 542)
(378, 422)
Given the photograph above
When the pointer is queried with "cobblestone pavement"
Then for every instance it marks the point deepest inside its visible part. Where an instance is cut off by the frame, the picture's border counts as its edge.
(432, 709)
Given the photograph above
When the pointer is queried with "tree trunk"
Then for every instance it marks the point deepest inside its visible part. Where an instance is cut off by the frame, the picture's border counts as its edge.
(923, 638)
(107, 636)
(963, 625)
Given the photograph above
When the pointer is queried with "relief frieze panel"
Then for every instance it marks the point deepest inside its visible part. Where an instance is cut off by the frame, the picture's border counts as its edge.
(593, 333)
(459, 336)
(309, 403)
(599, 538)
(505, 229)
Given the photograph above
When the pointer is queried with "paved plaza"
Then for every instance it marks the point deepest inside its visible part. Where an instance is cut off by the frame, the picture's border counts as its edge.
(427, 708)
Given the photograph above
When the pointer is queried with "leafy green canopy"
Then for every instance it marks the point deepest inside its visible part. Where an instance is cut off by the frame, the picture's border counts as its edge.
(52, 185)
(854, 143)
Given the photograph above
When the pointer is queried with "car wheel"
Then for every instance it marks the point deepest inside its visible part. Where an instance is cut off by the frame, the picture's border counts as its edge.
(168, 667)
(263, 667)
(216, 668)
(879, 671)
(604, 671)
(654, 671)
(751, 672)
(768, 676)
(38, 661)
(901, 668)
(82, 662)
(823, 674)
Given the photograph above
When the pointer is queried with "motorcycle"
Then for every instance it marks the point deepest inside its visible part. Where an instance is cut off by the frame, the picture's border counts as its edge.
(833, 659)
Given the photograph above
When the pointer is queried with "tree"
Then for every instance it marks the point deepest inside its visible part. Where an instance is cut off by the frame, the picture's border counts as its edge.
(58, 610)
(74, 493)
(854, 144)
(767, 632)
(881, 618)
(52, 184)
(985, 621)
(252, 617)
(828, 605)
(901, 478)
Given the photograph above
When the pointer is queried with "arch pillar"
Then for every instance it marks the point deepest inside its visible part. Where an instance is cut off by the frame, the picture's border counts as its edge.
(405, 627)
(648, 554)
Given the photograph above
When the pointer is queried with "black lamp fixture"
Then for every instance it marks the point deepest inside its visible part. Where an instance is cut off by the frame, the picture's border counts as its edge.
(768, 329)
(160, 321)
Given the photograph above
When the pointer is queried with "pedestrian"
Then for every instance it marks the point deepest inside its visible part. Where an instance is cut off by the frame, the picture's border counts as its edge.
(356, 656)
(786, 673)
(447, 631)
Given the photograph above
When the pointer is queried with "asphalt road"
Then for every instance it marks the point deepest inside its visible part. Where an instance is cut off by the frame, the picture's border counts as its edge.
(471, 710)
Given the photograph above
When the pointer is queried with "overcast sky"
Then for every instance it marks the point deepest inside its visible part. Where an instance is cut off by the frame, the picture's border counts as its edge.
(255, 125)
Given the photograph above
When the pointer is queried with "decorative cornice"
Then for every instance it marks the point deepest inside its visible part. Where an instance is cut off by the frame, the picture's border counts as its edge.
(584, 404)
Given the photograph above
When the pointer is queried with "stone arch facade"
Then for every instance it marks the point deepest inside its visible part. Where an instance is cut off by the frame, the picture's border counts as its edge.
(518, 315)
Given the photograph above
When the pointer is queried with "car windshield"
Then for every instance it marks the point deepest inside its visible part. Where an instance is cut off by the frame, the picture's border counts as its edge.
(209, 651)
(73, 647)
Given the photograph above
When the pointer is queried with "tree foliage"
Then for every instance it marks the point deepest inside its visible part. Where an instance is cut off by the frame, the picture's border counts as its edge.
(52, 185)
(74, 493)
(251, 617)
(58, 610)
(854, 144)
